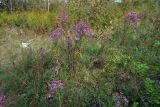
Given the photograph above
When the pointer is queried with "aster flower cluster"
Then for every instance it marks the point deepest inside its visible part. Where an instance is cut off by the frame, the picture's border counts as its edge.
(81, 29)
(2, 100)
(125, 100)
(132, 19)
(63, 17)
(56, 34)
(120, 99)
(53, 86)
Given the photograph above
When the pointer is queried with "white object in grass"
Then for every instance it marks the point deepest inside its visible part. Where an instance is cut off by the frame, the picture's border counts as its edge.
(24, 45)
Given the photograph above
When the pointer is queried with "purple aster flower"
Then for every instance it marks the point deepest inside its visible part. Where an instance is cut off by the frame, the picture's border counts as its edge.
(63, 17)
(2, 100)
(80, 26)
(56, 34)
(132, 19)
(53, 86)
(81, 29)
(86, 30)
(125, 100)
(42, 52)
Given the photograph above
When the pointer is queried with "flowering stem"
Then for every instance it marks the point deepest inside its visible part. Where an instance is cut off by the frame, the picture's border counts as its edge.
(69, 58)
(124, 26)
(60, 103)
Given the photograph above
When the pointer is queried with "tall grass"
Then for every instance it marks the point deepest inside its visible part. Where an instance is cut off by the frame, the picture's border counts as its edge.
(38, 22)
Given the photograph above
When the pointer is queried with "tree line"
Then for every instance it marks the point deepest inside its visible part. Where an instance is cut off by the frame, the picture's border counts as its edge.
(53, 5)
(28, 5)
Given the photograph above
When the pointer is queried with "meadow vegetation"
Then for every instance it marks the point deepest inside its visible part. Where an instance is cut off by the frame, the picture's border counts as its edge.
(100, 54)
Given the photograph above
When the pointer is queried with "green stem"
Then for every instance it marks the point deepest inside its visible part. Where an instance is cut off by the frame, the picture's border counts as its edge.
(60, 103)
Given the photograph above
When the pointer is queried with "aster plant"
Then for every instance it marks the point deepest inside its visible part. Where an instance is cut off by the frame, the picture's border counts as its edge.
(70, 44)
(73, 42)
(56, 34)
(81, 29)
(53, 87)
(63, 18)
(2, 100)
(132, 19)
